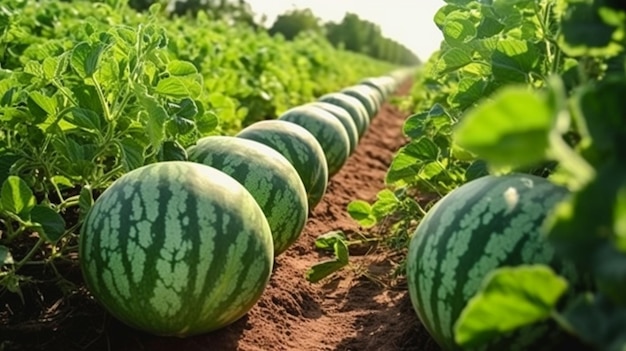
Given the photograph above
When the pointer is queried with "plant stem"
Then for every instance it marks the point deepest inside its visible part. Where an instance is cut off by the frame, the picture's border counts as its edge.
(571, 161)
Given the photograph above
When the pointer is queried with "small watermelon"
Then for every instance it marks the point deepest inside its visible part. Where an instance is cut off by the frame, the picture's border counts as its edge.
(487, 223)
(298, 146)
(367, 95)
(176, 248)
(328, 131)
(267, 175)
(354, 107)
(345, 119)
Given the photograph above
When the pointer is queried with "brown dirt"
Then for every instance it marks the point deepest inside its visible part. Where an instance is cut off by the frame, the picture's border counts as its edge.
(360, 308)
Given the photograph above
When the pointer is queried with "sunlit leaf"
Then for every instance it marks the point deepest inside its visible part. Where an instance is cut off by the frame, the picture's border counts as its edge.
(510, 298)
(512, 129)
(16, 196)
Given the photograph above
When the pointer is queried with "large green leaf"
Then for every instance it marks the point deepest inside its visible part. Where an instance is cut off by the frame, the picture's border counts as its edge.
(452, 60)
(510, 298)
(513, 61)
(361, 212)
(16, 196)
(51, 224)
(510, 130)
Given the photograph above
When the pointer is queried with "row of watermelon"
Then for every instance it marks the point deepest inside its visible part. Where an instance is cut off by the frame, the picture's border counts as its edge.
(181, 248)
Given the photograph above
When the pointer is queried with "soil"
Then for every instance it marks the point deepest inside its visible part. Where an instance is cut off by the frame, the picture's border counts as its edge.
(364, 307)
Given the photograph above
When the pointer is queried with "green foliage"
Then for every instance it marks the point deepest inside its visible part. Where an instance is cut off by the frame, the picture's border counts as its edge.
(92, 90)
(529, 86)
(293, 22)
(359, 35)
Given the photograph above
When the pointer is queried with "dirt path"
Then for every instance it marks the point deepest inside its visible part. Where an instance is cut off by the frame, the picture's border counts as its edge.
(346, 312)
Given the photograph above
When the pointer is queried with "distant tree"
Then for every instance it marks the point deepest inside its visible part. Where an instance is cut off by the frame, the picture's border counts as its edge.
(295, 21)
(237, 10)
(358, 35)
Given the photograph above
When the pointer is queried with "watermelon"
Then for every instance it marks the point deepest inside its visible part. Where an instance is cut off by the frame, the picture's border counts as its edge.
(367, 96)
(298, 146)
(490, 222)
(345, 119)
(267, 175)
(328, 131)
(176, 248)
(354, 107)
(378, 84)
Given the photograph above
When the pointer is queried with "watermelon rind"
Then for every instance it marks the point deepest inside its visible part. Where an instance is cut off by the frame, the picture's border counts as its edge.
(267, 175)
(176, 248)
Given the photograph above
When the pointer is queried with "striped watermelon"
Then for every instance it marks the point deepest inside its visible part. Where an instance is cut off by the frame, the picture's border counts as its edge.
(367, 95)
(345, 119)
(354, 107)
(298, 146)
(328, 131)
(384, 84)
(487, 223)
(267, 175)
(176, 248)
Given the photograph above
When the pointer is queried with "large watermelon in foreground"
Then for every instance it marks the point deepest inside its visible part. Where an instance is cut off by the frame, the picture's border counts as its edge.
(176, 248)
(487, 223)
(298, 146)
(267, 175)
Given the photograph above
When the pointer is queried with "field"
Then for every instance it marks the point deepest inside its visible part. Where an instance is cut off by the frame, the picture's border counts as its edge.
(473, 202)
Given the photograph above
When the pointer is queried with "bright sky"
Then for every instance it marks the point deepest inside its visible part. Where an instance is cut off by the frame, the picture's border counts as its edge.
(409, 22)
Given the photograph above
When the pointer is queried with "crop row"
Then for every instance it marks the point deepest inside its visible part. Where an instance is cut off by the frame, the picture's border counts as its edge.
(509, 194)
(90, 92)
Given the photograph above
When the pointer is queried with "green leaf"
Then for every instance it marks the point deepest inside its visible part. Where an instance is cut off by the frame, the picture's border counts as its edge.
(179, 126)
(132, 154)
(414, 125)
(79, 57)
(92, 60)
(431, 170)
(385, 205)
(452, 60)
(403, 168)
(341, 251)
(155, 117)
(514, 60)
(5, 256)
(171, 150)
(85, 200)
(327, 241)
(510, 130)
(207, 122)
(179, 87)
(84, 118)
(423, 149)
(51, 223)
(46, 103)
(598, 322)
(323, 269)
(469, 91)
(16, 196)
(187, 109)
(361, 212)
(458, 30)
(181, 68)
(510, 298)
